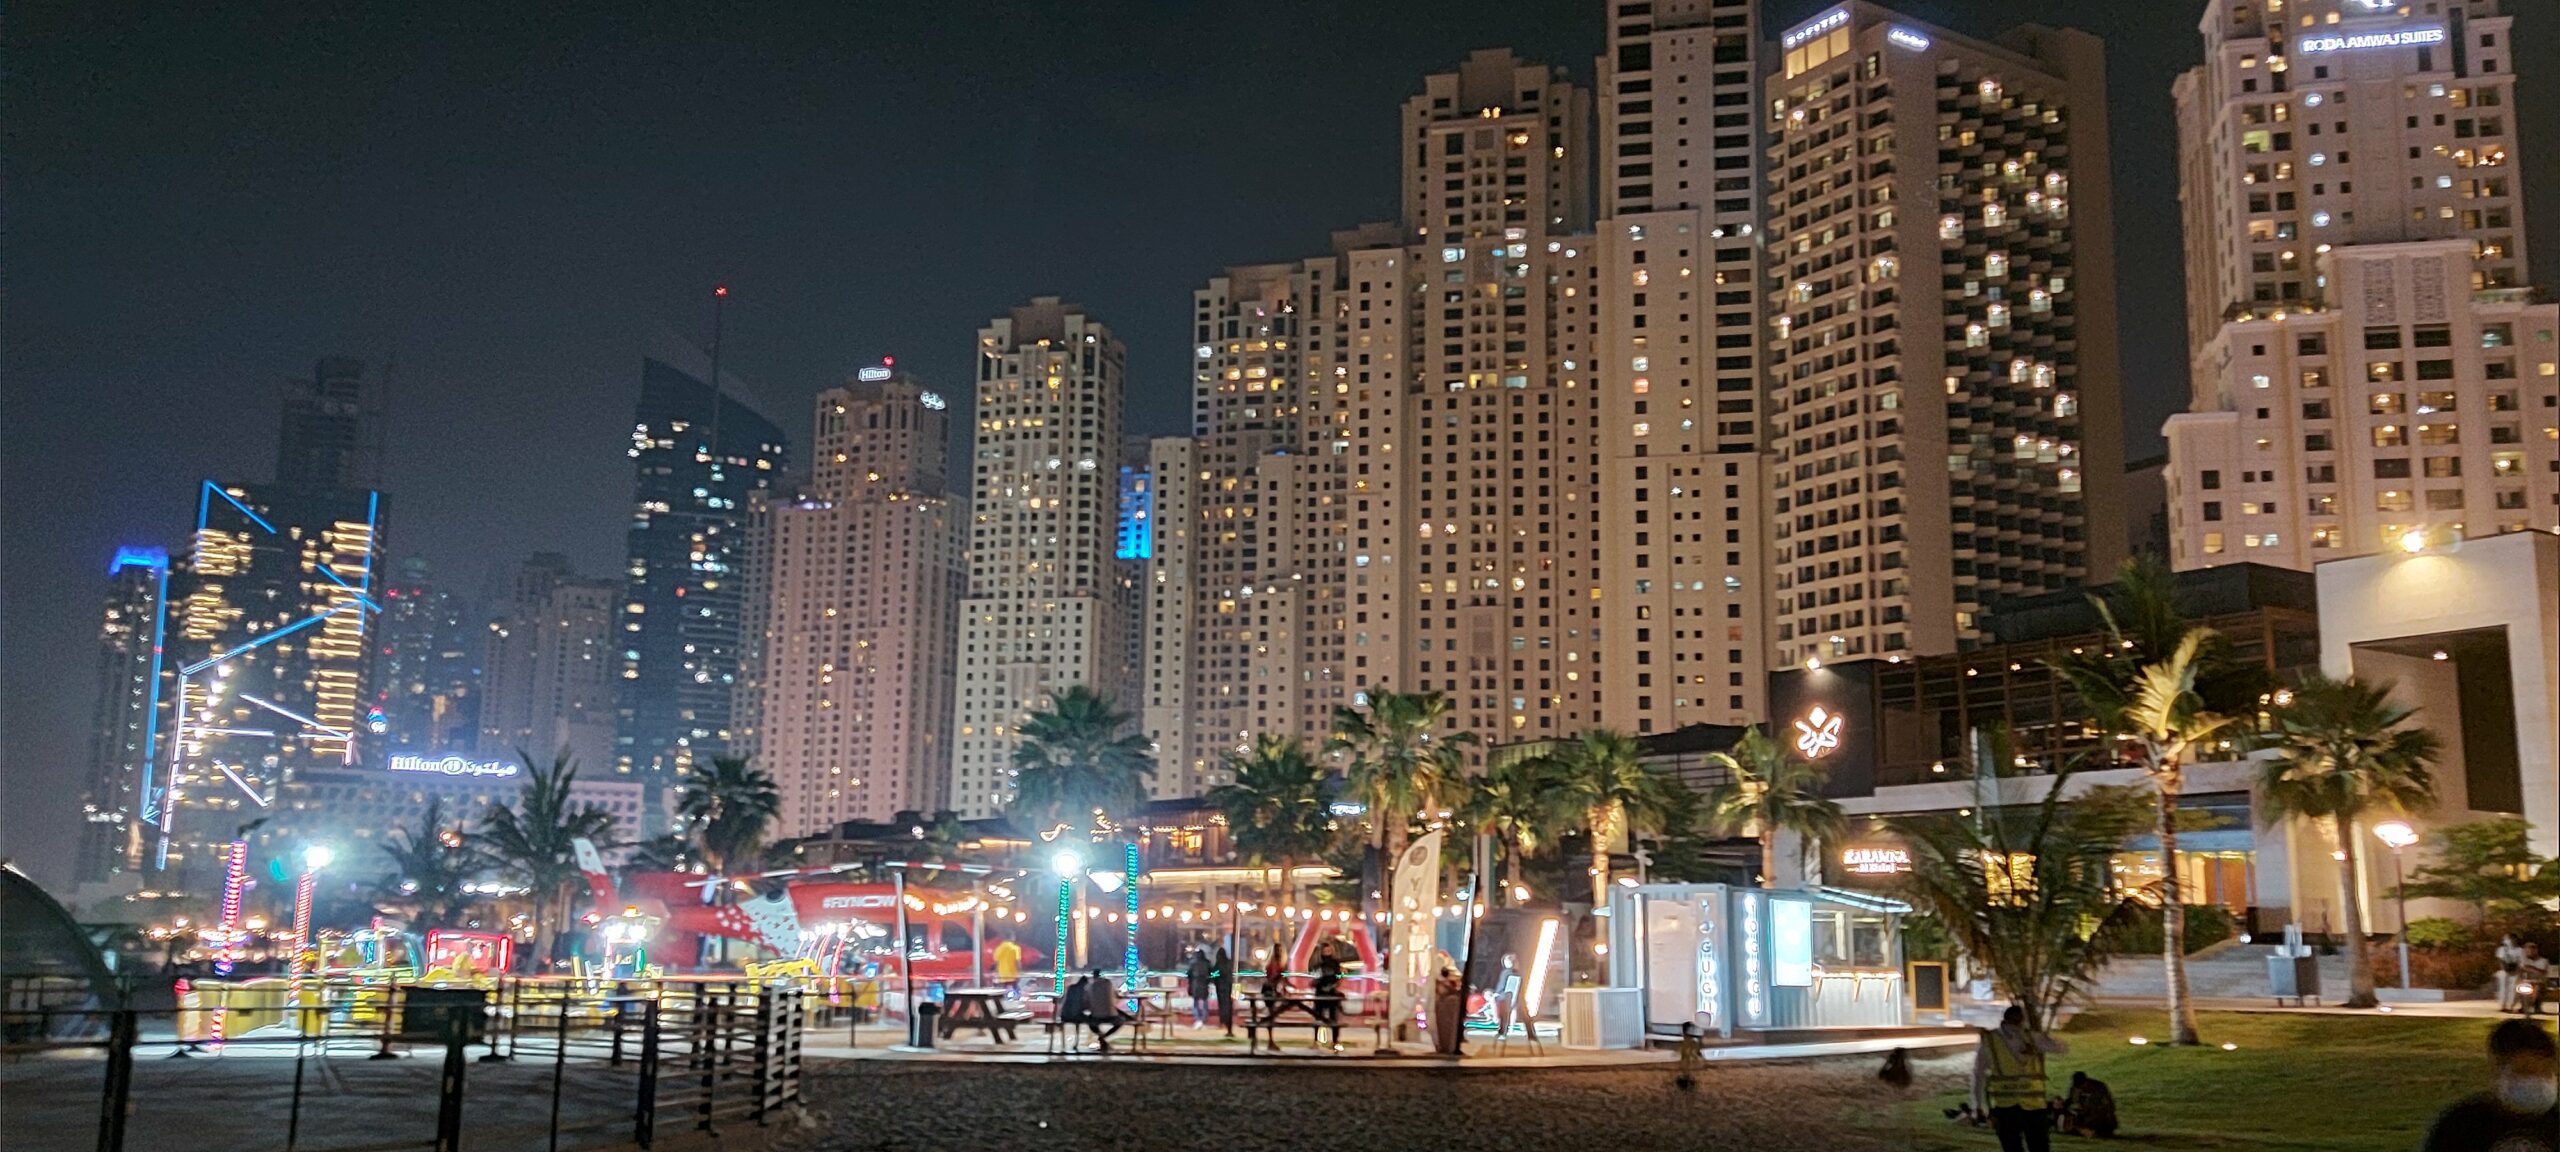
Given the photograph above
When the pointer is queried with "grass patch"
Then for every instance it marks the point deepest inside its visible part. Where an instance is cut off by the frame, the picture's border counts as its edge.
(2295, 1082)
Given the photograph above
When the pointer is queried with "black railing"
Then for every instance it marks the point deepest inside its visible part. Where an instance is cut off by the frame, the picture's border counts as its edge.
(700, 1053)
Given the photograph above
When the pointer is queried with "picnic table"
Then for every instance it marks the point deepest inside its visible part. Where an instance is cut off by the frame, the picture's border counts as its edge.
(979, 1008)
(1271, 1012)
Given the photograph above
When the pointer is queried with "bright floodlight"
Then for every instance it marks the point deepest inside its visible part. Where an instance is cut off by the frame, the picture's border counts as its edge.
(317, 857)
(2414, 540)
(2396, 834)
(1067, 862)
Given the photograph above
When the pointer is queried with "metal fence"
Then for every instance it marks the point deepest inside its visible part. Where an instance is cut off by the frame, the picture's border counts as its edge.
(633, 1061)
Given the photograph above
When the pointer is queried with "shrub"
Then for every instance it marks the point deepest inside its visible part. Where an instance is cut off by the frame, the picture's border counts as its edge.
(2207, 925)
(2437, 932)
(2454, 970)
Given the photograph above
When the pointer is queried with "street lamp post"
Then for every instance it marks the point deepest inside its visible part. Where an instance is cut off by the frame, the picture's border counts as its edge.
(2397, 835)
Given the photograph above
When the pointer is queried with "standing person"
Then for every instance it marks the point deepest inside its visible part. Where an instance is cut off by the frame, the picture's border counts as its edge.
(2532, 973)
(1195, 983)
(2008, 1077)
(1222, 973)
(1009, 966)
(2520, 1112)
(2510, 963)
(1275, 983)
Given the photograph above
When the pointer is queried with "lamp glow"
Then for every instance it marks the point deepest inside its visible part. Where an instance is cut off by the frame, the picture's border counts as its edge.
(2396, 833)
(317, 857)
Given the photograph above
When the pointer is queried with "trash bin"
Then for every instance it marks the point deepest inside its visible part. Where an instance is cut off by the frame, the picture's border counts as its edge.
(426, 1012)
(922, 1024)
(2294, 977)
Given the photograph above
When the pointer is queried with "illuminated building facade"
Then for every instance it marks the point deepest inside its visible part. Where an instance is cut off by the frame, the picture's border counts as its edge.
(698, 453)
(1677, 373)
(861, 579)
(1942, 357)
(127, 728)
(427, 651)
(2318, 124)
(2369, 370)
(1045, 607)
(2408, 410)
(549, 664)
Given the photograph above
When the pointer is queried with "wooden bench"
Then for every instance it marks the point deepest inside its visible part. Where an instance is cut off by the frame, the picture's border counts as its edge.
(1275, 1016)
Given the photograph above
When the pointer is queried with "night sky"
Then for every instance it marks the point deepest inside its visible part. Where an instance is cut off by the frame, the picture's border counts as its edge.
(504, 200)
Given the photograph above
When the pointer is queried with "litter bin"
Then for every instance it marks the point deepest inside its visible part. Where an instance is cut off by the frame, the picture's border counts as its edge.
(2294, 978)
(922, 1025)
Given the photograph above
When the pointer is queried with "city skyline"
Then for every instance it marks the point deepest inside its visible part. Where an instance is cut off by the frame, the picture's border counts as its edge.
(934, 349)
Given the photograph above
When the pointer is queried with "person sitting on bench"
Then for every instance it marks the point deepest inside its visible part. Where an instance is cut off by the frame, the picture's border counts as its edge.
(1102, 1011)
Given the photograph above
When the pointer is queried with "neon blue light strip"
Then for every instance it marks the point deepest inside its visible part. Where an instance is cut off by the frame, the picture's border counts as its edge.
(151, 721)
(138, 556)
(341, 582)
(216, 489)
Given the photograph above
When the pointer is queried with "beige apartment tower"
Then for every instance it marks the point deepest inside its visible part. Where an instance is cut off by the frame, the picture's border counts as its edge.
(1940, 293)
(548, 668)
(2370, 372)
(852, 674)
(1045, 608)
(2318, 124)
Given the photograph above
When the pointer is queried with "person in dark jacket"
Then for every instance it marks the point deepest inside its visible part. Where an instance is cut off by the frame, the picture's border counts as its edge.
(2089, 1108)
(1196, 985)
(1222, 974)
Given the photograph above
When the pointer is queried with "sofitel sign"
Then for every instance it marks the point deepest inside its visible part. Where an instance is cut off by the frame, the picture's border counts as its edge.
(1821, 24)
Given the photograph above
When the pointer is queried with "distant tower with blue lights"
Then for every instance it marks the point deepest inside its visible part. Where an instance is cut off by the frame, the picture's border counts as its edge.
(697, 453)
(128, 714)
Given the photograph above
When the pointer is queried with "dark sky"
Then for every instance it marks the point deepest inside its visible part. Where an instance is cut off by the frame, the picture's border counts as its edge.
(504, 199)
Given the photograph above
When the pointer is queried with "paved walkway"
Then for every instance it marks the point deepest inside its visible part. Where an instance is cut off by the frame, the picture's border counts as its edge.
(1210, 1046)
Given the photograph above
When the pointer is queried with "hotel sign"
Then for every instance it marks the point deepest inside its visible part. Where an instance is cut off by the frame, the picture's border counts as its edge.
(1878, 861)
(2358, 41)
(1818, 734)
(455, 766)
(1821, 24)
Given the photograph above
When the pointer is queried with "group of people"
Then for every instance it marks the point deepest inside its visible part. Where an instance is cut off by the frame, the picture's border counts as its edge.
(2524, 976)
(1210, 980)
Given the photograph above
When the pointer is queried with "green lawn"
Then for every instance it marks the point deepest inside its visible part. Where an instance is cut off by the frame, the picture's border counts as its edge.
(2333, 1083)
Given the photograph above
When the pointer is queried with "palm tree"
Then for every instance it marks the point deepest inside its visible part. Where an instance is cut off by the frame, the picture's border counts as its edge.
(1772, 791)
(1275, 810)
(2160, 688)
(1600, 774)
(1075, 762)
(1516, 801)
(430, 864)
(2346, 750)
(726, 812)
(1400, 763)
(2027, 894)
(536, 838)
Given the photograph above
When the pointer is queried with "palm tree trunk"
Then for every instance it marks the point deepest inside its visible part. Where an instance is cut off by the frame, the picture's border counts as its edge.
(1512, 866)
(2173, 916)
(1604, 821)
(2359, 956)
(1768, 857)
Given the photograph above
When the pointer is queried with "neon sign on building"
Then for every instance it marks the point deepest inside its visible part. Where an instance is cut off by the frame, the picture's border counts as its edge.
(1821, 24)
(2358, 41)
(455, 766)
(1818, 734)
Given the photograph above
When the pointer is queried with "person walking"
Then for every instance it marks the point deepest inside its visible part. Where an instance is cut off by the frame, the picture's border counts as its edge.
(2009, 1081)
(1326, 1002)
(1222, 974)
(2510, 957)
(2521, 1111)
(1196, 984)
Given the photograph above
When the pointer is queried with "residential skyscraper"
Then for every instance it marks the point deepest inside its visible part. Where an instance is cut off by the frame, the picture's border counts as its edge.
(861, 578)
(549, 665)
(127, 726)
(2317, 124)
(698, 451)
(1927, 469)
(2369, 371)
(1683, 511)
(427, 651)
(331, 429)
(1044, 609)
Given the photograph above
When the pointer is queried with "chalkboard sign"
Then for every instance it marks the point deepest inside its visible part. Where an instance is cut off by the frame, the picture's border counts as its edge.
(1928, 986)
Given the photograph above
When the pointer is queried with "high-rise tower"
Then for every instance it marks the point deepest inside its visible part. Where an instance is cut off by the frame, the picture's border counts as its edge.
(1942, 352)
(127, 727)
(861, 575)
(1044, 609)
(549, 662)
(426, 680)
(698, 452)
